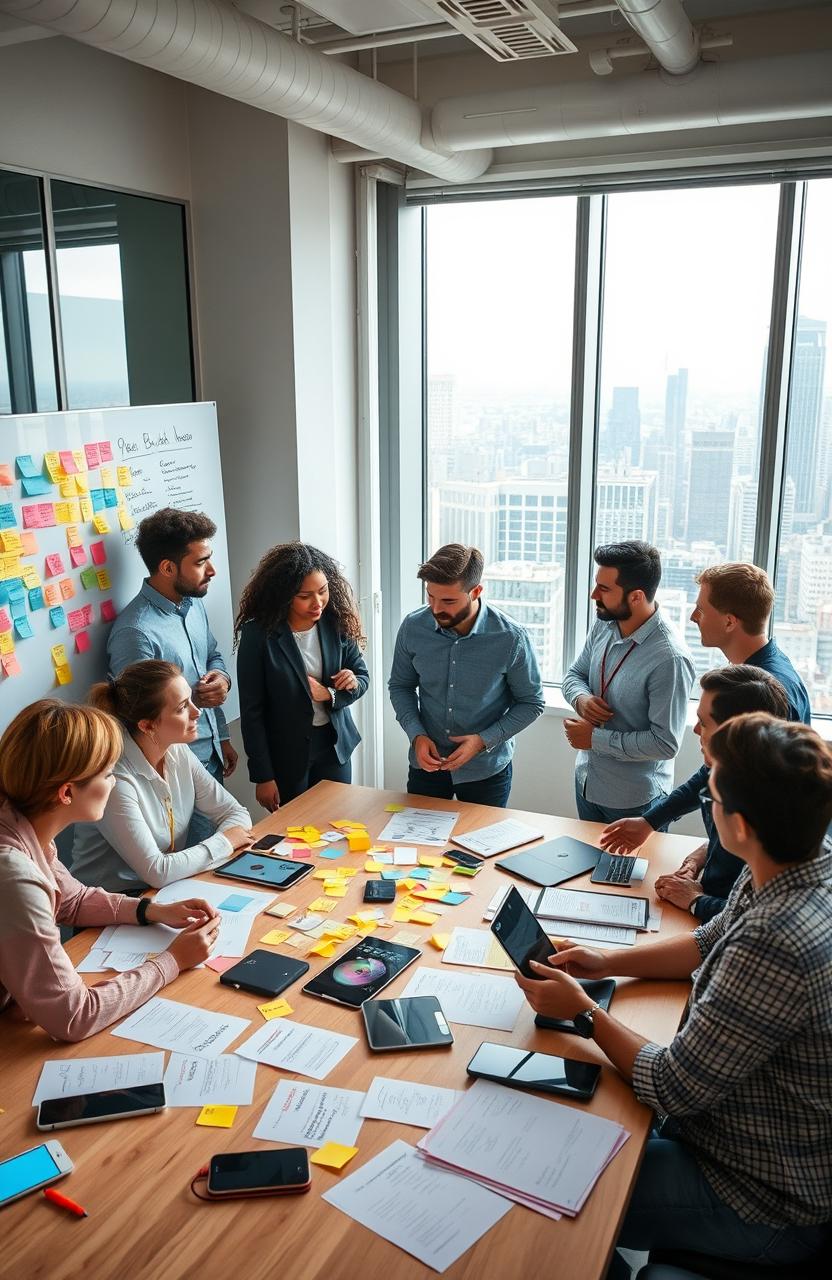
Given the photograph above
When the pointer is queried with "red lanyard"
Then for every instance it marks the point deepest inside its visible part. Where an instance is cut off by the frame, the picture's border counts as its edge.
(605, 683)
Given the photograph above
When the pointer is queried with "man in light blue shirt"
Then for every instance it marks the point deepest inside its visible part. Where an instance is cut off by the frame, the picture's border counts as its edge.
(464, 681)
(167, 620)
(630, 687)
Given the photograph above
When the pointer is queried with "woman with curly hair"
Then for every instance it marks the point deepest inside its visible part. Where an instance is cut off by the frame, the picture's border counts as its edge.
(299, 670)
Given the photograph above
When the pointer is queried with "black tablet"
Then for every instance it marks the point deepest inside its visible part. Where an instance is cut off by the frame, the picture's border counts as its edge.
(413, 1022)
(362, 972)
(259, 868)
(266, 973)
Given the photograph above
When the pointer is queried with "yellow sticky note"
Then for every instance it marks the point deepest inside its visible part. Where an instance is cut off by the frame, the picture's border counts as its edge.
(409, 903)
(373, 866)
(30, 576)
(333, 1156)
(369, 926)
(80, 459)
(216, 1117)
(335, 889)
(347, 873)
(358, 842)
(294, 831)
(440, 940)
(12, 541)
(281, 910)
(324, 948)
(73, 537)
(6, 642)
(323, 873)
(317, 844)
(64, 673)
(86, 510)
(409, 883)
(347, 824)
(62, 512)
(395, 808)
(401, 915)
(100, 522)
(322, 906)
(59, 655)
(125, 519)
(53, 465)
(361, 917)
(275, 936)
(423, 917)
(82, 484)
(426, 860)
(102, 577)
(340, 931)
(125, 478)
(276, 1008)
(69, 489)
(108, 480)
(311, 833)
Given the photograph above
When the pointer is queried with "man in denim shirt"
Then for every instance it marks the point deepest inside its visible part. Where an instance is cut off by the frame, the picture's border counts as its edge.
(167, 620)
(464, 681)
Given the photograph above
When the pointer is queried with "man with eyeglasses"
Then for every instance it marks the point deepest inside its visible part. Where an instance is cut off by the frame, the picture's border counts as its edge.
(702, 883)
(740, 1169)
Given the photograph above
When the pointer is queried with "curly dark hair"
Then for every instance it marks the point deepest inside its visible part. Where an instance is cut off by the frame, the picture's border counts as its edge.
(167, 534)
(279, 577)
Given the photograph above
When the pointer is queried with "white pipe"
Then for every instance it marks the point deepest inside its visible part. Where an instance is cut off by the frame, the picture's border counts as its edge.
(788, 87)
(666, 30)
(210, 43)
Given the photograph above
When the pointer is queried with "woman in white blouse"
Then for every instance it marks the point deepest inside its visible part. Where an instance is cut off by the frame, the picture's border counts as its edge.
(141, 840)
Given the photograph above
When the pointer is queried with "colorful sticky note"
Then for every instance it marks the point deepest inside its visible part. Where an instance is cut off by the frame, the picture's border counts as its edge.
(281, 910)
(89, 578)
(57, 616)
(52, 593)
(25, 464)
(275, 936)
(440, 940)
(100, 523)
(36, 598)
(332, 1155)
(125, 479)
(63, 512)
(324, 904)
(323, 948)
(276, 1008)
(30, 543)
(329, 853)
(86, 510)
(67, 587)
(7, 516)
(58, 652)
(108, 611)
(30, 576)
(82, 641)
(73, 536)
(395, 808)
(235, 902)
(69, 488)
(11, 666)
(372, 866)
(68, 462)
(79, 460)
(347, 873)
(6, 642)
(98, 552)
(54, 565)
(217, 1117)
(11, 541)
(108, 478)
(221, 963)
(125, 519)
(78, 556)
(357, 842)
(23, 628)
(52, 462)
(64, 674)
(35, 486)
(6, 475)
(5, 621)
(427, 860)
(93, 456)
(454, 899)
(103, 580)
(110, 498)
(340, 931)
(423, 917)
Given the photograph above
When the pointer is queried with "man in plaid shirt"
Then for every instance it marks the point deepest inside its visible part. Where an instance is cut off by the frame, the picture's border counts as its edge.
(742, 1167)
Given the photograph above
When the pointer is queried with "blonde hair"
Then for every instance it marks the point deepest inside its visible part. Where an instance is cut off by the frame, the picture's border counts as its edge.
(49, 744)
(137, 693)
(742, 589)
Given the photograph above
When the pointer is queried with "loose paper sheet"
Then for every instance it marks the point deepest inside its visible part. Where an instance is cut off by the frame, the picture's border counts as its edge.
(420, 826)
(223, 1081)
(406, 1102)
(310, 1115)
(478, 948)
(167, 1024)
(71, 1077)
(310, 1051)
(477, 1000)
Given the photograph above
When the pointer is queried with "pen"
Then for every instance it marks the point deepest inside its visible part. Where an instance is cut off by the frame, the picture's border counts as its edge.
(65, 1203)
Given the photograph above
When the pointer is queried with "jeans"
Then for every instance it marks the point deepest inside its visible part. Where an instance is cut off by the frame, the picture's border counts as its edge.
(674, 1207)
(589, 812)
(324, 766)
(494, 790)
(201, 827)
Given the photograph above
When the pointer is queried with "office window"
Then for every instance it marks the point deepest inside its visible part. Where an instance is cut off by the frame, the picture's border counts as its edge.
(27, 367)
(803, 612)
(500, 280)
(687, 300)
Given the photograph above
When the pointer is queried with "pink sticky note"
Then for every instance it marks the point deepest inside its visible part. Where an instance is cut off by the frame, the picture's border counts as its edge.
(47, 514)
(11, 666)
(93, 454)
(108, 611)
(98, 552)
(67, 588)
(78, 556)
(30, 544)
(87, 612)
(220, 963)
(106, 450)
(68, 462)
(54, 565)
(32, 517)
(82, 642)
(301, 853)
(76, 619)
(6, 622)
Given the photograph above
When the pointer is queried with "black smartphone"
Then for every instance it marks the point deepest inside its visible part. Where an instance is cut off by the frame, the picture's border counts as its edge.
(469, 860)
(411, 1022)
(266, 973)
(107, 1104)
(264, 843)
(521, 1069)
(252, 1173)
(519, 934)
(380, 891)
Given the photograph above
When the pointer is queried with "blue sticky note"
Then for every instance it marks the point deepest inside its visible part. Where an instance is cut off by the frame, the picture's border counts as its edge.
(332, 854)
(23, 627)
(97, 499)
(454, 899)
(110, 498)
(4, 593)
(400, 873)
(7, 520)
(26, 465)
(57, 616)
(14, 586)
(235, 902)
(17, 606)
(36, 598)
(419, 873)
(35, 486)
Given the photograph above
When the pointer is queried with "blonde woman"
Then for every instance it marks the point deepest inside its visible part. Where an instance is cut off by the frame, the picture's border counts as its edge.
(56, 768)
(141, 839)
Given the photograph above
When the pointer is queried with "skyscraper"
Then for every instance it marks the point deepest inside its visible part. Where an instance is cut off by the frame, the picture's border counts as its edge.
(441, 396)
(625, 505)
(804, 417)
(672, 491)
(621, 440)
(709, 486)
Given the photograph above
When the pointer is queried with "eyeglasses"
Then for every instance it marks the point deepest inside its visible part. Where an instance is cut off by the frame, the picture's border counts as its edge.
(707, 800)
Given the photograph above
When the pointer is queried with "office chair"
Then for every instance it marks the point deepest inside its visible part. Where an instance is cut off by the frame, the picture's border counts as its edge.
(663, 1264)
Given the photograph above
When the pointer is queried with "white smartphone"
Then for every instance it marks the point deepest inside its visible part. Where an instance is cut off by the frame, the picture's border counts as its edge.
(109, 1104)
(31, 1170)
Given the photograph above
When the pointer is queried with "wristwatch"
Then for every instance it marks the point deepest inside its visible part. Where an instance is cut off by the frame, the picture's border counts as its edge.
(692, 908)
(584, 1024)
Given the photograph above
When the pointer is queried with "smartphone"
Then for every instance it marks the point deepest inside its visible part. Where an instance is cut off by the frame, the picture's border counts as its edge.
(521, 1069)
(259, 1173)
(380, 891)
(263, 843)
(108, 1104)
(519, 934)
(411, 1022)
(31, 1170)
(469, 860)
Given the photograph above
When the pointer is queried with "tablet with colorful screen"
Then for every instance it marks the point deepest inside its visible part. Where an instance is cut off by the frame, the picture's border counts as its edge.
(362, 972)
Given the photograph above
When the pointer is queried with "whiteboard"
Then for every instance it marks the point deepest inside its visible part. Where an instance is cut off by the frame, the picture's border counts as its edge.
(172, 457)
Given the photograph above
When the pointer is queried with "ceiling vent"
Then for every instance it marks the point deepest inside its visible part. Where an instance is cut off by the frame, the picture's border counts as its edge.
(508, 30)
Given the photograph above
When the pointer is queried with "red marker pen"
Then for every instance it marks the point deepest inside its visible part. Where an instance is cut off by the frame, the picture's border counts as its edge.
(65, 1203)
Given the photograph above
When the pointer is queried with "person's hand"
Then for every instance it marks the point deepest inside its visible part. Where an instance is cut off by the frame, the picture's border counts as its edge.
(267, 795)
(470, 745)
(344, 680)
(240, 837)
(556, 996)
(594, 709)
(693, 864)
(578, 734)
(427, 757)
(625, 835)
(580, 962)
(211, 690)
(194, 943)
(678, 890)
(178, 915)
(319, 691)
(229, 758)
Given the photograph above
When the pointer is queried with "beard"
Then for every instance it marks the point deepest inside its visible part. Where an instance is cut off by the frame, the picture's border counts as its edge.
(450, 620)
(184, 589)
(620, 614)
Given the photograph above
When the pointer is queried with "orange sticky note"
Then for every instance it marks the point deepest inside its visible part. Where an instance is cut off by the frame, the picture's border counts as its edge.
(440, 941)
(358, 842)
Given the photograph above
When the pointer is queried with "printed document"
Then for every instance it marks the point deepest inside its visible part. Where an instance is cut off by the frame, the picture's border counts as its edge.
(226, 1081)
(419, 826)
(498, 838)
(310, 1115)
(592, 908)
(477, 1000)
(310, 1051)
(478, 948)
(433, 1215)
(405, 1102)
(167, 1024)
(71, 1077)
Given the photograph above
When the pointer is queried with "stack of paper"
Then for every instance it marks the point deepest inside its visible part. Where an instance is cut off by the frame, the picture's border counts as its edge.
(498, 838)
(608, 934)
(420, 826)
(540, 1153)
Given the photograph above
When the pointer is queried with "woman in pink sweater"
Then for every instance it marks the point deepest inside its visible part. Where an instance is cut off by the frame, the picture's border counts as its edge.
(56, 768)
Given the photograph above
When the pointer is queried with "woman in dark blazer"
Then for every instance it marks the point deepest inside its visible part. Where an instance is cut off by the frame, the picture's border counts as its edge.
(299, 670)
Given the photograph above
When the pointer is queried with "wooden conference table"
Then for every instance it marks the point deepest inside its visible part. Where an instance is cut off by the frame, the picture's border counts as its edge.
(133, 1176)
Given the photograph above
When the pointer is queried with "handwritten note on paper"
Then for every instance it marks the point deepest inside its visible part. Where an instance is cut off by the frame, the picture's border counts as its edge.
(406, 1102)
(310, 1115)
(310, 1051)
(54, 565)
(476, 1000)
(168, 1024)
(73, 1077)
(226, 1080)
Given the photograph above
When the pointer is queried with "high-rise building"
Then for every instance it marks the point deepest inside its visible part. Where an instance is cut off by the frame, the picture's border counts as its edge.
(441, 406)
(621, 438)
(675, 407)
(709, 485)
(532, 594)
(675, 421)
(742, 520)
(625, 505)
(815, 576)
(805, 401)
(518, 520)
